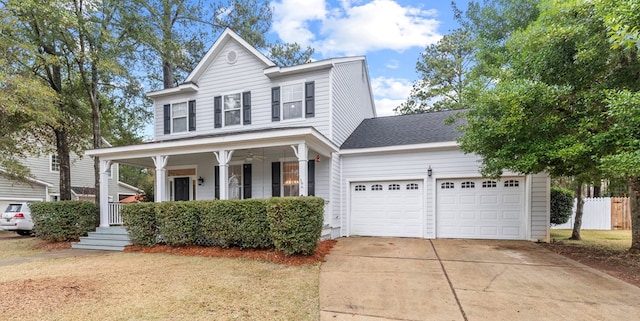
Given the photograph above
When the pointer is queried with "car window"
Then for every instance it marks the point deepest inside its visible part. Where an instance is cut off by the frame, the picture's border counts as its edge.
(13, 208)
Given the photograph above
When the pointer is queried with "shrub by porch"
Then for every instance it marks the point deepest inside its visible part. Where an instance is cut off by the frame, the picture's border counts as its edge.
(64, 221)
(292, 224)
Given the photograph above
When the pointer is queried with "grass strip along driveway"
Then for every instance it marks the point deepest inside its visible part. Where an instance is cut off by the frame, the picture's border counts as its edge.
(138, 286)
(603, 250)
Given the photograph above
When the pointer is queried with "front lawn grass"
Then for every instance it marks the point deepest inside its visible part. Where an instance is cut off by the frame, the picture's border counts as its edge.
(13, 245)
(604, 239)
(136, 286)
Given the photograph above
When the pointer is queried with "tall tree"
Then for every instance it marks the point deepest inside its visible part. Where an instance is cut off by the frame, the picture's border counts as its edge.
(40, 50)
(443, 69)
(176, 33)
(545, 112)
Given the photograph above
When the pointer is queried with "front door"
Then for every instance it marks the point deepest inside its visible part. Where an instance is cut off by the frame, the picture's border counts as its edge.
(181, 188)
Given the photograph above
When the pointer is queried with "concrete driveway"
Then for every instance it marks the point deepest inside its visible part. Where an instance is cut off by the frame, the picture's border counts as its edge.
(373, 279)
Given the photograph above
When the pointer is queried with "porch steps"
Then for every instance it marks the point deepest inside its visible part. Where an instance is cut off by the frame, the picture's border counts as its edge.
(104, 238)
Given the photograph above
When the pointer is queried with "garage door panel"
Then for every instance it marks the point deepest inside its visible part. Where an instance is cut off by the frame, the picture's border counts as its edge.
(480, 208)
(489, 215)
(387, 208)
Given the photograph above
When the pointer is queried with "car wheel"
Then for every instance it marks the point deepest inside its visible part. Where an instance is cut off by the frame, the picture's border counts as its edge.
(24, 233)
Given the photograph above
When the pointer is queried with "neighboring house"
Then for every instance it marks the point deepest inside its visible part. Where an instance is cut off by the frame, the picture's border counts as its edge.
(44, 182)
(242, 127)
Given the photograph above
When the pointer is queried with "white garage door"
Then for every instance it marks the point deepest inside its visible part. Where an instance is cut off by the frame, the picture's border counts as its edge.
(387, 208)
(480, 208)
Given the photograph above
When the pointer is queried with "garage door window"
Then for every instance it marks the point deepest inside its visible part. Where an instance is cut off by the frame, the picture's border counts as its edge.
(376, 187)
(489, 184)
(468, 185)
(447, 185)
(394, 187)
(412, 186)
(511, 183)
(360, 188)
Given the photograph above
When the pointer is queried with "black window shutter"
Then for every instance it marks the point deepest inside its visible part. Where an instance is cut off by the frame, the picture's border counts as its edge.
(309, 99)
(246, 108)
(192, 115)
(311, 173)
(167, 119)
(217, 111)
(275, 104)
(216, 178)
(246, 180)
(275, 179)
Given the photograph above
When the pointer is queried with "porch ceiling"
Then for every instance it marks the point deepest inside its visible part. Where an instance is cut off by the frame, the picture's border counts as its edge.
(141, 154)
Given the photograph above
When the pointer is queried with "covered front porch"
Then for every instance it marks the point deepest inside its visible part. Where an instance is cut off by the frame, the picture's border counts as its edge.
(257, 164)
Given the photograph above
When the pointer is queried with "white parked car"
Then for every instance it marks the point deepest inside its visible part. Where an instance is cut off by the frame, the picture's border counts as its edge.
(17, 218)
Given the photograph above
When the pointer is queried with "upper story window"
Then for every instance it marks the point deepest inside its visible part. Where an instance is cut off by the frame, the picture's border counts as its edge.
(232, 109)
(292, 96)
(232, 113)
(180, 117)
(54, 163)
(293, 101)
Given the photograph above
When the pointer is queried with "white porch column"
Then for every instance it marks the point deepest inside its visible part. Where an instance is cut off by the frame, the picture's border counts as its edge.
(161, 177)
(224, 156)
(104, 192)
(302, 152)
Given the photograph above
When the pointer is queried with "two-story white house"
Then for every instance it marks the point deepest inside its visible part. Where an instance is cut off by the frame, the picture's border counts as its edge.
(242, 127)
(43, 183)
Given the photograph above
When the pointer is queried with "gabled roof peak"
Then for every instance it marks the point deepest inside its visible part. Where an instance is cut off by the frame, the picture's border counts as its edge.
(224, 38)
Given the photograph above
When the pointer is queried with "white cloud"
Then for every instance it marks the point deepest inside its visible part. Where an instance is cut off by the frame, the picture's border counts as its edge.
(385, 106)
(291, 19)
(392, 64)
(389, 93)
(355, 28)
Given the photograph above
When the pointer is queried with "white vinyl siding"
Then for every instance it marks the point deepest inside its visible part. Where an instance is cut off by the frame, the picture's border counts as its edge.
(246, 74)
(351, 99)
(540, 208)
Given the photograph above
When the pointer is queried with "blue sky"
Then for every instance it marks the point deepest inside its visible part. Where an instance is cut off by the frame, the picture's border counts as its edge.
(391, 34)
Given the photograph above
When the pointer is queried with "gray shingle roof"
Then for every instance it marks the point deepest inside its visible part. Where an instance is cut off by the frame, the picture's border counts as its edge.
(403, 130)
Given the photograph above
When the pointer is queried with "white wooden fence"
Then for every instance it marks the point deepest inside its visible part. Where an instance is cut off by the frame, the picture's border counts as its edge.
(596, 215)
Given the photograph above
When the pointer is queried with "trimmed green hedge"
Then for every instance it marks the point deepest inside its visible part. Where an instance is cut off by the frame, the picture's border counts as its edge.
(64, 221)
(295, 223)
(291, 224)
(141, 222)
(240, 223)
(178, 222)
(561, 205)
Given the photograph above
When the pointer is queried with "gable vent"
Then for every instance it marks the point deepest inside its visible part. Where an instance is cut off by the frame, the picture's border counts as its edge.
(232, 57)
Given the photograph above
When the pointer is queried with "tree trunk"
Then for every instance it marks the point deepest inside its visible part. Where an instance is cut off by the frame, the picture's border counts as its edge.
(634, 197)
(577, 224)
(167, 75)
(62, 149)
(97, 133)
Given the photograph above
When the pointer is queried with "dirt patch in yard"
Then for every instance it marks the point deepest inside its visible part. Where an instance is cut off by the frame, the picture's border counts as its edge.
(47, 294)
(620, 264)
(268, 255)
(50, 246)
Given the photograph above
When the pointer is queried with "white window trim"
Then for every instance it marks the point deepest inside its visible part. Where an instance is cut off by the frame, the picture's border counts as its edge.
(51, 164)
(186, 102)
(302, 83)
(224, 119)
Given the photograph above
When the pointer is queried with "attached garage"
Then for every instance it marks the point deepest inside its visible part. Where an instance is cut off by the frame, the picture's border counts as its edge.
(387, 208)
(480, 208)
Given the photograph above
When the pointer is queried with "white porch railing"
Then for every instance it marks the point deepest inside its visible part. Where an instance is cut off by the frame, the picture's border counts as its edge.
(114, 214)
